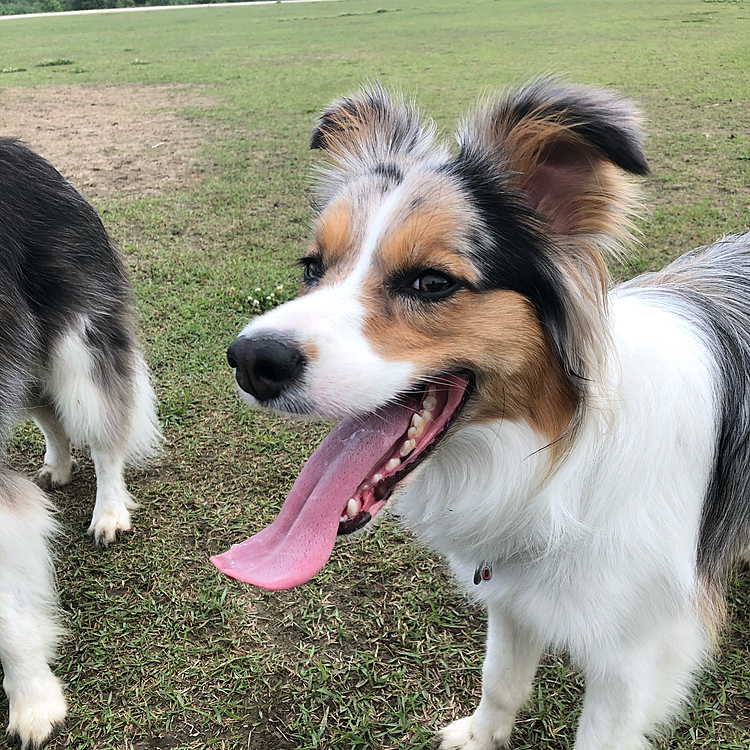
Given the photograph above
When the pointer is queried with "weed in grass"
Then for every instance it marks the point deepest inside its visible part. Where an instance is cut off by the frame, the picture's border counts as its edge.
(53, 63)
(261, 300)
(12, 70)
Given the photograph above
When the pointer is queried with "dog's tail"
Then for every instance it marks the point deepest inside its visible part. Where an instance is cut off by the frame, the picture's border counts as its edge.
(145, 441)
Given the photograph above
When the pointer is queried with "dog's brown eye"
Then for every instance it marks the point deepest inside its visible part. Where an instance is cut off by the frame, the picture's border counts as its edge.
(432, 284)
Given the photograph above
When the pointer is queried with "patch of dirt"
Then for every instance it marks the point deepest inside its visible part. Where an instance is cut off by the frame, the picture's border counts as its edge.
(106, 140)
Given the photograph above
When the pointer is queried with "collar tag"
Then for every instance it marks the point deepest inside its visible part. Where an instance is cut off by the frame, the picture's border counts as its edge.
(483, 572)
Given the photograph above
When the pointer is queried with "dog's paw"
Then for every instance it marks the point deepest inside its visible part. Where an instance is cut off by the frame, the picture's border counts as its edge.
(459, 735)
(50, 477)
(36, 714)
(106, 524)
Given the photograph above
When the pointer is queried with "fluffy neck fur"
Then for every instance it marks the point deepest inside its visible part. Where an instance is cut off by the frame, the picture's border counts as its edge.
(631, 486)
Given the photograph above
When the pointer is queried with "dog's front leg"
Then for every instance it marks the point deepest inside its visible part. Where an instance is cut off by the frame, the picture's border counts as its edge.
(634, 688)
(509, 667)
(615, 708)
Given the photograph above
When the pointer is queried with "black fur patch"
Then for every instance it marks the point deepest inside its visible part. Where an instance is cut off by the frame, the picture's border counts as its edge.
(57, 265)
(513, 253)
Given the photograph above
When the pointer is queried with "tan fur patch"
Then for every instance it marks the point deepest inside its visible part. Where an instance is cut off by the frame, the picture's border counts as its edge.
(334, 232)
(494, 334)
(344, 129)
(712, 607)
(426, 240)
(311, 351)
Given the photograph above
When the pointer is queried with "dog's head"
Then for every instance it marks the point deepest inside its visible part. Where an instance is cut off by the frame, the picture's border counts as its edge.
(439, 290)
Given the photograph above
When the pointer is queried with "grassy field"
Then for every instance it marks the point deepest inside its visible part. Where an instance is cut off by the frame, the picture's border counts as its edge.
(380, 649)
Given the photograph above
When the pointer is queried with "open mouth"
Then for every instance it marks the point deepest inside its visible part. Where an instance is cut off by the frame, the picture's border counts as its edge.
(345, 482)
(437, 408)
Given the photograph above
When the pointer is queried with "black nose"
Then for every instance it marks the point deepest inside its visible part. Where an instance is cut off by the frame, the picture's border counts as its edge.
(263, 366)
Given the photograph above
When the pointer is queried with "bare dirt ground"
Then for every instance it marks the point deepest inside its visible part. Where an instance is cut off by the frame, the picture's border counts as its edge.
(126, 140)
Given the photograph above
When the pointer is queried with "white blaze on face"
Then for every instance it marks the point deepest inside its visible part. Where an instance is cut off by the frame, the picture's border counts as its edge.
(344, 375)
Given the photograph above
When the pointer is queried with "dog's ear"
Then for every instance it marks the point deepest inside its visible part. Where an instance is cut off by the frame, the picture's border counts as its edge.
(563, 147)
(370, 121)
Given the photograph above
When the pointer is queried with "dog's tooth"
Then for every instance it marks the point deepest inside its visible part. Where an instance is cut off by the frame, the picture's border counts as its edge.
(407, 447)
(426, 415)
(394, 463)
(376, 478)
(352, 508)
(344, 519)
(417, 426)
(429, 403)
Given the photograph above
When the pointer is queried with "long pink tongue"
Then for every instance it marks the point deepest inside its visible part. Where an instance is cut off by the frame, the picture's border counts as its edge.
(299, 542)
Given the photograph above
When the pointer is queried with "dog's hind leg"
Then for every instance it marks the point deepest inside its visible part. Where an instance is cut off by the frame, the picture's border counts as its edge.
(133, 439)
(29, 619)
(512, 659)
(58, 466)
(100, 395)
(113, 501)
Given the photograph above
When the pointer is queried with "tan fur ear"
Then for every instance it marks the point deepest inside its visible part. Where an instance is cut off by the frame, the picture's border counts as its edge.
(370, 121)
(565, 148)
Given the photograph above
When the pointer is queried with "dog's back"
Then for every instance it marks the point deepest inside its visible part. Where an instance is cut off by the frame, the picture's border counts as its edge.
(710, 288)
(57, 265)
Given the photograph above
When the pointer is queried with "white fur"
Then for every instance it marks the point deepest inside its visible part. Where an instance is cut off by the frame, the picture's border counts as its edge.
(29, 618)
(596, 558)
(599, 558)
(377, 225)
(117, 431)
(341, 379)
(144, 439)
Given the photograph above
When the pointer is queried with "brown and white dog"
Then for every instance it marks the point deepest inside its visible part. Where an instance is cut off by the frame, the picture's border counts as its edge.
(579, 455)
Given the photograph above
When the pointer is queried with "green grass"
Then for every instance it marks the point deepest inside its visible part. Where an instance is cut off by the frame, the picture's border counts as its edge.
(380, 648)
